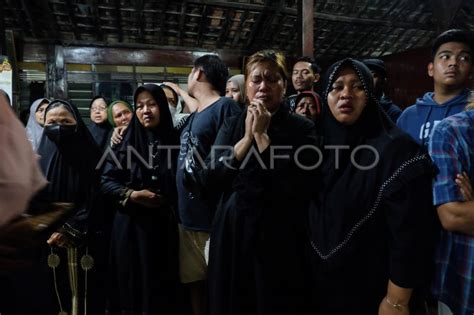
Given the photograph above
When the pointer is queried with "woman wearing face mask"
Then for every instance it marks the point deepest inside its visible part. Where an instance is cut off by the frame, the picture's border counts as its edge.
(144, 244)
(371, 223)
(34, 127)
(99, 126)
(179, 117)
(69, 156)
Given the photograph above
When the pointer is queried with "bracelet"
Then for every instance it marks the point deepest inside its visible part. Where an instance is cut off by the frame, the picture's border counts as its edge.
(398, 306)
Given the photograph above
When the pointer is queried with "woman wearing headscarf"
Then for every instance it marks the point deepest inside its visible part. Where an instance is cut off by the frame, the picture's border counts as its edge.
(99, 126)
(179, 118)
(68, 159)
(257, 244)
(308, 104)
(235, 88)
(371, 222)
(140, 180)
(34, 127)
(119, 115)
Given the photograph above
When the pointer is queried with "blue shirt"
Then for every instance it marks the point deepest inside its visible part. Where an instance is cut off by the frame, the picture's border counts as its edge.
(420, 119)
(452, 149)
(200, 134)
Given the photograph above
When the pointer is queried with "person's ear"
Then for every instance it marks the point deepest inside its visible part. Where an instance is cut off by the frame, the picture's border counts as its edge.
(199, 73)
(430, 69)
(317, 76)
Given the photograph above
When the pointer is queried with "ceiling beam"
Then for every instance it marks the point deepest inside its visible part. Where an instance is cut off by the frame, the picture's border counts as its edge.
(444, 12)
(270, 27)
(307, 29)
(72, 18)
(29, 17)
(140, 20)
(376, 34)
(243, 18)
(162, 22)
(47, 15)
(118, 16)
(386, 46)
(203, 25)
(258, 24)
(317, 15)
(225, 28)
(97, 24)
(182, 19)
(336, 38)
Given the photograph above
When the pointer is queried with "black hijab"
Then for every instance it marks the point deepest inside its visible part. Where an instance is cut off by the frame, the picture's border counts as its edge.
(100, 132)
(68, 158)
(349, 196)
(142, 140)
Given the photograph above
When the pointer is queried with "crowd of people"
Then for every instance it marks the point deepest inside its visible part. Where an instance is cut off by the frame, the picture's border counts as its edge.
(249, 201)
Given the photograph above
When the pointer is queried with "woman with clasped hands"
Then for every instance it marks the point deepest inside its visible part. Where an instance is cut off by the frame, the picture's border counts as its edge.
(256, 263)
(144, 242)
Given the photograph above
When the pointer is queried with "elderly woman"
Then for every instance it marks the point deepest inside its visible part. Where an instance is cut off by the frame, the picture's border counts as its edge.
(235, 88)
(119, 114)
(68, 157)
(371, 223)
(144, 244)
(256, 261)
(34, 127)
(308, 104)
(99, 126)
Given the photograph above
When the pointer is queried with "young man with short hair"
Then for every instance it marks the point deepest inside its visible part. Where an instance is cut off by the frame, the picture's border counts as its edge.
(450, 69)
(304, 76)
(206, 85)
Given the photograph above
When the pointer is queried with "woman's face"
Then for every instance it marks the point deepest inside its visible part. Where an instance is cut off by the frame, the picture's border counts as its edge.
(172, 101)
(265, 82)
(147, 110)
(59, 115)
(347, 99)
(99, 111)
(121, 114)
(307, 107)
(232, 90)
(39, 115)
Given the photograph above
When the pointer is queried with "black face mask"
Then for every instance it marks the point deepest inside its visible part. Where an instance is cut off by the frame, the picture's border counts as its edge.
(59, 133)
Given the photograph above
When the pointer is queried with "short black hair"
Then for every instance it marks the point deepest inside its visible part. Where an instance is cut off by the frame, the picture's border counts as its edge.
(452, 35)
(314, 66)
(215, 70)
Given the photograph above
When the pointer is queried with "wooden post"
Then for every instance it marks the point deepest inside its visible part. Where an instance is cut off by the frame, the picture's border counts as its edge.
(3, 42)
(56, 74)
(307, 28)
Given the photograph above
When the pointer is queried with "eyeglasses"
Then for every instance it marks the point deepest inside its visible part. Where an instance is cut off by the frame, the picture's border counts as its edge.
(98, 109)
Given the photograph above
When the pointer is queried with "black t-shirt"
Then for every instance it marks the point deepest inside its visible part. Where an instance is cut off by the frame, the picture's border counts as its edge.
(200, 133)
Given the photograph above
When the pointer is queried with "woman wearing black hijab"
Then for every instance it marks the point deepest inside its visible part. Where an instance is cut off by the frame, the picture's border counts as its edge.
(68, 159)
(99, 126)
(258, 239)
(371, 223)
(144, 244)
